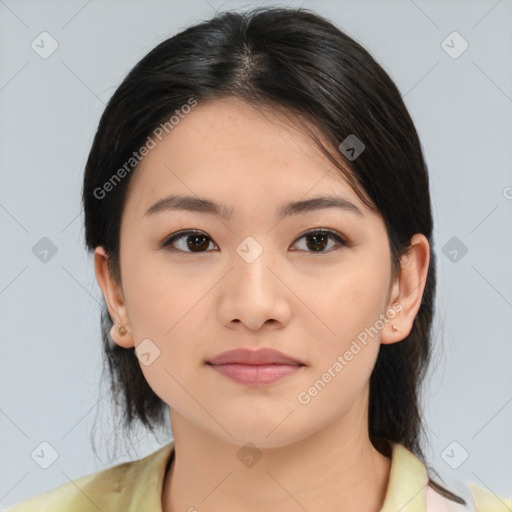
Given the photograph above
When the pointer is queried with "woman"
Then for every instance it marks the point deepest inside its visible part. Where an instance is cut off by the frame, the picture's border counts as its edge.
(258, 206)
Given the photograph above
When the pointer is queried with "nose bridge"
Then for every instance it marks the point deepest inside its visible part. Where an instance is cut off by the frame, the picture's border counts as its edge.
(251, 261)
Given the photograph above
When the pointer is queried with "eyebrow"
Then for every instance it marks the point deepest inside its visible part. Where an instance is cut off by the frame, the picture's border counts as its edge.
(207, 206)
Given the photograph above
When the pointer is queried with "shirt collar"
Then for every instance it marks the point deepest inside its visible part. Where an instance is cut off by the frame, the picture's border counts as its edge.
(408, 480)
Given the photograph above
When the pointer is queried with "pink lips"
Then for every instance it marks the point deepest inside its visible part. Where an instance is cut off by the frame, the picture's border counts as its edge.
(255, 367)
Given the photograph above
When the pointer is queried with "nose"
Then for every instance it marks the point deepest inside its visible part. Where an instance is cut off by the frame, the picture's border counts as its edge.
(254, 294)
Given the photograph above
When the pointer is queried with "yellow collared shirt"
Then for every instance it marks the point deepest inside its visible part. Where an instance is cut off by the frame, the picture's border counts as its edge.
(137, 487)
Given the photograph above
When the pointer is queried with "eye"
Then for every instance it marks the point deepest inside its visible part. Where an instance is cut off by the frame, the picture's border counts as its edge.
(197, 241)
(319, 239)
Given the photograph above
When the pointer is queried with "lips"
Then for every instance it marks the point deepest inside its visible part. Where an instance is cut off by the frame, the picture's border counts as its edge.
(262, 356)
(255, 368)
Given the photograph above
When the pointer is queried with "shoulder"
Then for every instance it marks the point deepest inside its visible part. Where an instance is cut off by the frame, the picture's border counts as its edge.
(80, 494)
(121, 487)
(409, 473)
(477, 498)
(487, 501)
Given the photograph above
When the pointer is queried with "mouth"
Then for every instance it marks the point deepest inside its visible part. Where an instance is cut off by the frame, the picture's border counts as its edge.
(255, 367)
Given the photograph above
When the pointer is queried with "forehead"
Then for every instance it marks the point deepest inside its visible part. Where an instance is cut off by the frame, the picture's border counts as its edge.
(227, 149)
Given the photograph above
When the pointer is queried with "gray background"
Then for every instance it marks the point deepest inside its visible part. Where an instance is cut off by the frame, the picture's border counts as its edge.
(49, 329)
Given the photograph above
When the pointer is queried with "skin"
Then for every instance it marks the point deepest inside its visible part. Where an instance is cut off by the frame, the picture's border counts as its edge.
(309, 305)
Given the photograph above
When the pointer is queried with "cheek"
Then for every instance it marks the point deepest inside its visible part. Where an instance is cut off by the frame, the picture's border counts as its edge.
(348, 305)
(347, 344)
(156, 295)
(165, 307)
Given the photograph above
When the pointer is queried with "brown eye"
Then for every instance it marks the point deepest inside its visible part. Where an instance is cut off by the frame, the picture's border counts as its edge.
(317, 241)
(189, 241)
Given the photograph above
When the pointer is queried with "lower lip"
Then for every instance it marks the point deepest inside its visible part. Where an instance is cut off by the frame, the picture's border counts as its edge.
(255, 375)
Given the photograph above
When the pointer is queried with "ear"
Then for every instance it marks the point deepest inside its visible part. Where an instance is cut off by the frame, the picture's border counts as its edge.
(407, 290)
(114, 299)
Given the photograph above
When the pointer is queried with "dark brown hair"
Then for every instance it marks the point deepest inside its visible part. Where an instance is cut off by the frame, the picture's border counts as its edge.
(299, 63)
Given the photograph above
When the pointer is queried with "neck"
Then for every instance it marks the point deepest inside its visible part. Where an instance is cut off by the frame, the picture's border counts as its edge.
(330, 470)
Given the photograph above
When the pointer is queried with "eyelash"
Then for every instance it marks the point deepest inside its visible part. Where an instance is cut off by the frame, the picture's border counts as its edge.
(183, 234)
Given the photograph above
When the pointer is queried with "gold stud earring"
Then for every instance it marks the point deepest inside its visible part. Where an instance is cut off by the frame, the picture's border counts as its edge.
(395, 328)
(122, 330)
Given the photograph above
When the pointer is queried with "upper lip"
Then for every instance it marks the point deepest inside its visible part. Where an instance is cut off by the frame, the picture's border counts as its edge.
(255, 357)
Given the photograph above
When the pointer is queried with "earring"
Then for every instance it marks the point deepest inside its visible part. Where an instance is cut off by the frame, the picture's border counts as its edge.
(122, 330)
(395, 328)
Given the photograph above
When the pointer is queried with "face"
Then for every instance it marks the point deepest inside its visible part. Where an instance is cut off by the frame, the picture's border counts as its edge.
(312, 284)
